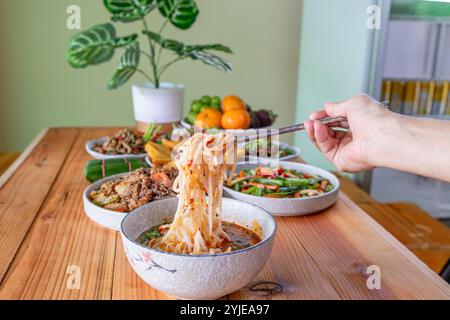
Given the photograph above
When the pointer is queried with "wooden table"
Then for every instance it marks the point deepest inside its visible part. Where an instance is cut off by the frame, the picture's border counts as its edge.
(45, 237)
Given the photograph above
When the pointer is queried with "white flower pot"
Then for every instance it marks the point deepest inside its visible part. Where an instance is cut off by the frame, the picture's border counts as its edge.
(162, 105)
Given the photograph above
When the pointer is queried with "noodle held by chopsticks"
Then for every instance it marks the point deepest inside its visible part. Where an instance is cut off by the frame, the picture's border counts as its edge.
(203, 161)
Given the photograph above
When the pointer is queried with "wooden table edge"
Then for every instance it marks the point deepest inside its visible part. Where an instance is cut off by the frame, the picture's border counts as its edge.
(4, 178)
(396, 244)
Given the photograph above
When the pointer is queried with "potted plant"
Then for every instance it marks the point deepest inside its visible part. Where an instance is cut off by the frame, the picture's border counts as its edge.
(153, 101)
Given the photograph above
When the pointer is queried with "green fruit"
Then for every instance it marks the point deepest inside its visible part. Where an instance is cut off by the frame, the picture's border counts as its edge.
(191, 117)
(215, 101)
(196, 106)
(206, 100)
(215, 106)
(205, 106)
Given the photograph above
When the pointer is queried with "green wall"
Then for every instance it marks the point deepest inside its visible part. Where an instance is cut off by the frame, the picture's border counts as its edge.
(39, 89)
(333, 66)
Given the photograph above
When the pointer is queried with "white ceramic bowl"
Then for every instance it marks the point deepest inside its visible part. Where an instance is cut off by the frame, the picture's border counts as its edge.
(196, 276)
(107, 218)
(90, 145)
(290, 206)
(296, 152)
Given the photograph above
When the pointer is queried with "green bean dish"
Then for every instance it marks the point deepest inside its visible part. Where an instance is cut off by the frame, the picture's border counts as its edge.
(279, 183)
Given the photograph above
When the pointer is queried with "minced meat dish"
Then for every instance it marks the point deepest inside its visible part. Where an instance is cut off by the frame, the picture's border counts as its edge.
(136, 189)
(125, 141)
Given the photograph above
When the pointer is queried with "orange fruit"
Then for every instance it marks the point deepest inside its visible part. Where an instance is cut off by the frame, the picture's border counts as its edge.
(208, 118)
(232, 103)
(236, 119)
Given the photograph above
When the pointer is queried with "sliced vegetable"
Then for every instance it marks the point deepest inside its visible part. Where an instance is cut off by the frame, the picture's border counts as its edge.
(259, 192)
(250, 190)
(279, 183)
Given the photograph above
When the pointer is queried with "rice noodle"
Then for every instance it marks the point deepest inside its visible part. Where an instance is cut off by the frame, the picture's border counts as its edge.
(203, 161)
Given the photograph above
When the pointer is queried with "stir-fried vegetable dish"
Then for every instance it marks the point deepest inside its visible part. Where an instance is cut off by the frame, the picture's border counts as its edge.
(264, 148)
(279, 183)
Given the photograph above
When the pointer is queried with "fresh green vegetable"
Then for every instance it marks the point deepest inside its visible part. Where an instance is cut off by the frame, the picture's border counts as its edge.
(279, 183)
(250, 190)
(101, 202)
(259, 192)
(297, 182)
(274, 182)
(152, 129)
(99, 169)
(153, 234)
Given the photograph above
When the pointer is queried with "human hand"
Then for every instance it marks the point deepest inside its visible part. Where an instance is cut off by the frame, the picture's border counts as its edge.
(350, 151)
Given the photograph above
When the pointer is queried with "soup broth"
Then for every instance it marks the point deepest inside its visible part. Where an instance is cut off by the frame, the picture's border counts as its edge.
(239, 236)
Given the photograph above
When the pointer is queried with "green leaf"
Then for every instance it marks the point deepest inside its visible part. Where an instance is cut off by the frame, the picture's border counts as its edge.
(125, 41)
(129, 10)
(155, 37)
(195, 52)
(128, 65)
(93, 46)
(165, 43)
(181, 13)
(211, 60)
(173, 45)
(215, 47)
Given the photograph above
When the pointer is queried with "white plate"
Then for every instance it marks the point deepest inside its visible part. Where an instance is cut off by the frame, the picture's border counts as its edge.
(107, 218)
(296, 152)
(90, 145)
(148, 161)
(289, 206)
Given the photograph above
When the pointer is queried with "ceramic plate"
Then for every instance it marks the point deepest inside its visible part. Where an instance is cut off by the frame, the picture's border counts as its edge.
(296, 152)
(289, 206)
(107, 218)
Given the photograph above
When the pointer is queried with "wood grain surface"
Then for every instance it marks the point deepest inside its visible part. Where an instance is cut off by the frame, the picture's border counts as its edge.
(46, 238)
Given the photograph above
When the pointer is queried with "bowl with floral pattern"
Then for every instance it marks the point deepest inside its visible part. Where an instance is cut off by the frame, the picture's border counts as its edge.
(206, 276)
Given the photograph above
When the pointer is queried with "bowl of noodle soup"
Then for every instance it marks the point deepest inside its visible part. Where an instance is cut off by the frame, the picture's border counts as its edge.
(197, 276)
(199, 246)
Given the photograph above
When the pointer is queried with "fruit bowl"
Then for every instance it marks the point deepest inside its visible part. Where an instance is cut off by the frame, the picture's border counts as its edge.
(237, 132)
(231, 113)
